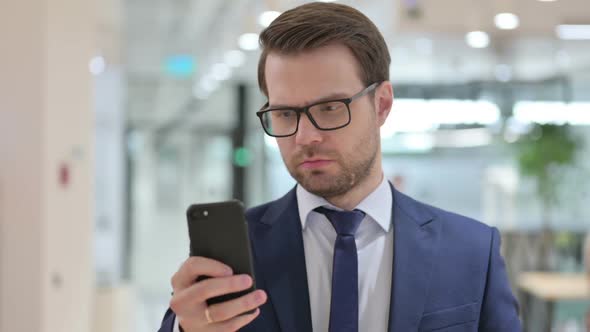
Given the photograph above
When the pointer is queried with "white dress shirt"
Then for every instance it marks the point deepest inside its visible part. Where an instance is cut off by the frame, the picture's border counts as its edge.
(374, 242)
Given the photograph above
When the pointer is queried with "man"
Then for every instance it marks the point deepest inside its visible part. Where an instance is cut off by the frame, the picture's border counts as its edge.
(344, 251)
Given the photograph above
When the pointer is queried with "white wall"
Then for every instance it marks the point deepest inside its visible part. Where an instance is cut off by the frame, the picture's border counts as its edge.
(46, 123)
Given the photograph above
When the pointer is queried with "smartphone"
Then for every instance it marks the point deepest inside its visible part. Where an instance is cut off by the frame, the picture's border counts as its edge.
(219, 231)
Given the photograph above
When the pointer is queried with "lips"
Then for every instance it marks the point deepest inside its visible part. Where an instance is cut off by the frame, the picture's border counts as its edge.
(315, 163)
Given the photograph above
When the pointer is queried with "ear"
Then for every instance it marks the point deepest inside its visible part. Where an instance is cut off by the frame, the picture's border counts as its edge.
(383, 101)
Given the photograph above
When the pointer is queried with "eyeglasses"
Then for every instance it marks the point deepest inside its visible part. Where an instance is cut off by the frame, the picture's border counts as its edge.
(325, 115)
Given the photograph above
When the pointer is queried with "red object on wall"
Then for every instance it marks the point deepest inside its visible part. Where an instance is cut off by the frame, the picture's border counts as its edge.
(64, 175)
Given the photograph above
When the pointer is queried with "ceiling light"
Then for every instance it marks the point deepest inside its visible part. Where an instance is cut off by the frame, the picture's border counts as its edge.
(547, 0)
(234, 58)
(208, 84)
(477, 39)
(542, 112)
(418, 141)
(248, 42)
(573, 31)
(503, 72)
(506, 21)
(220, 71)
(266, 18)
(97, 65)
(463, 138)
(419, 115)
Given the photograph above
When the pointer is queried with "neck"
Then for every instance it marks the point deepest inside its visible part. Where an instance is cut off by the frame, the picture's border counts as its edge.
(361, 190)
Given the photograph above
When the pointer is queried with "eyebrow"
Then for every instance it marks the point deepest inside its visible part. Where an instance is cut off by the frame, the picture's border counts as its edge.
(332, 96)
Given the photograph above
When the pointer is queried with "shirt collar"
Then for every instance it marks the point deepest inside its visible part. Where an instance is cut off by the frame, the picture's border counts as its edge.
(377, 204)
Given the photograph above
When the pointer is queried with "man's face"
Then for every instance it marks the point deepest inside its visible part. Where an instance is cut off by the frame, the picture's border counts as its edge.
(326, 163)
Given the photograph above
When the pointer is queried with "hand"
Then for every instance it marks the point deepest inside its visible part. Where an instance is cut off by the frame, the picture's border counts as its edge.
(189, 299)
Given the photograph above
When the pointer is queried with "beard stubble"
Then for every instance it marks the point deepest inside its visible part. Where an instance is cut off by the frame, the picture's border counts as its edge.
(353, 168)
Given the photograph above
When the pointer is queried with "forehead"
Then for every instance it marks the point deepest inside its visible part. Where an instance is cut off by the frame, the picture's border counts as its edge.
(306, 76)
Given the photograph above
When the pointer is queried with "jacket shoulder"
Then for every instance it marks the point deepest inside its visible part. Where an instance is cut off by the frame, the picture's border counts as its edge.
(455, 224)
(459, 234)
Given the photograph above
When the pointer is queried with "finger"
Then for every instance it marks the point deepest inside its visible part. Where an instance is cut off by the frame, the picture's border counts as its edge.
(206, 289)
(190, 302)
(229, 309)
(229, 325)
(185, 308)
(197, 266)
(235, 323)
(203, 290)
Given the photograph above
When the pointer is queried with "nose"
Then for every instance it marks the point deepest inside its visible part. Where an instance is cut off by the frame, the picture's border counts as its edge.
(307, 133)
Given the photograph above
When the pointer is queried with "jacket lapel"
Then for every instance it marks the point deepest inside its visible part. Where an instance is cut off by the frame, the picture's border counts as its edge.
(416, 234)
(278, 246)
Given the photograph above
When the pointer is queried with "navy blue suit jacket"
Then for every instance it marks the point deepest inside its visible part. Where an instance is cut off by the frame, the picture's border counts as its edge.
(448, 274)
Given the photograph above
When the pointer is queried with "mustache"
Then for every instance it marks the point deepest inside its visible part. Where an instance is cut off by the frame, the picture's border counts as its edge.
(311, 151)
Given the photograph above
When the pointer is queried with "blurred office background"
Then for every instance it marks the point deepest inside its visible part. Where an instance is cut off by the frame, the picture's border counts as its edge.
(116, 115)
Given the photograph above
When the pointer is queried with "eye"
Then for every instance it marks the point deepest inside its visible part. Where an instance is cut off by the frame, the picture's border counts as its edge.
(282, 114)
(285, 114)
(330, 107)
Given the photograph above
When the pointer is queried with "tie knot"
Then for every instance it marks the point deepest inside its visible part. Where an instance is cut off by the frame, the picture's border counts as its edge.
(344, 222)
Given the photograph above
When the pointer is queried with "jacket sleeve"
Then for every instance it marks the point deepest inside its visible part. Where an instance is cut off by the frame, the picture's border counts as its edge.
(499, 310)
(168, 321)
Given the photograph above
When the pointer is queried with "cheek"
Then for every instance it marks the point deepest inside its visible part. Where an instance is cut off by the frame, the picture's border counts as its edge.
(359, 136)
(360, 126)
(285, 147)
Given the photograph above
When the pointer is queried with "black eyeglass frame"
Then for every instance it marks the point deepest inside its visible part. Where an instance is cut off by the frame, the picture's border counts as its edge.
(305, 109)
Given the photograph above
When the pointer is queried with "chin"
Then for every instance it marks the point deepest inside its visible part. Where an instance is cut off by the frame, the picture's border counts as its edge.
(327, 192)
(322, 184)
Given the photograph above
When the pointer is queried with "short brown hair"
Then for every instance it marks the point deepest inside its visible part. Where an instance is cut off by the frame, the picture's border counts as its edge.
(317, 24)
